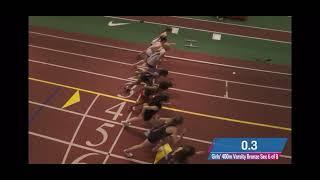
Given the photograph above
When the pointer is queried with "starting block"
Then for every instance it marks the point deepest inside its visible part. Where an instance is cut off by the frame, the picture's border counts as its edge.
(190, 41)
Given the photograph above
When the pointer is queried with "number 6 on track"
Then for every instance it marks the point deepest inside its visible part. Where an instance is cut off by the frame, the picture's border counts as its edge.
(77, 161)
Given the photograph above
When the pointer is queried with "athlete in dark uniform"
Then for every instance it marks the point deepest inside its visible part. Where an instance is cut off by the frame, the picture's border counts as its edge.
(158, 134)
(149, 109)
(153, 74)
(149, 92)
(146, 77)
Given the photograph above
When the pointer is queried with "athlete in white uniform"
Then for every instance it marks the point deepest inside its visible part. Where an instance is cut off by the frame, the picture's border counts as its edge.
(155, 58)
(157, 39)
(163, 34)
(156, 47)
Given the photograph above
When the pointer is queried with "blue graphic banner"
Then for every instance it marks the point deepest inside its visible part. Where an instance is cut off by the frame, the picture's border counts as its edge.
(246, 148)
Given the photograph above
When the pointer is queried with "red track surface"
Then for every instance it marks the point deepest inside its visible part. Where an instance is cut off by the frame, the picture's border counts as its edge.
(50, 60)
(216, 27)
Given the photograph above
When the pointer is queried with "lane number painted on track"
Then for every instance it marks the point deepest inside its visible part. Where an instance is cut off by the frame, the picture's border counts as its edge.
(77, 161)
(132, 89)
(118, 112)
(103, 133)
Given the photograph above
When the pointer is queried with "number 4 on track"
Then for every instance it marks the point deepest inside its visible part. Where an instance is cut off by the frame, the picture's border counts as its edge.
(118, 113)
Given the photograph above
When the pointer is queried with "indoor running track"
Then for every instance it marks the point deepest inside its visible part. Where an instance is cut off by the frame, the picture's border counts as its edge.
(253, 102)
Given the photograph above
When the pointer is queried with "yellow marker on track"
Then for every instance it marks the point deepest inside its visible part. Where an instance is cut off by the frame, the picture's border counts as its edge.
(74, 99)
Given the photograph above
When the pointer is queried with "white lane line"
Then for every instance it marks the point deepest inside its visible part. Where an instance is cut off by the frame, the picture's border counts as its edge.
(133, 160)
(79, 70)
(229, 66)
(173, 72)
(85, 147)
(110, 121)
(115, 141)
(227, 96)
(52, 107)
(255, 102)
(67, 143)
(196, 140)
(285, 156)
(181, 90)
(234, 99)
(204, 30)
(101, 152)
(115, 122)
(174, 57)
(256, 27)
(80, 114)
(119, 134)
(235, 82)
(49, 138)
(78, 128)
(82, 41)
(82, 55)
(90, 149)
